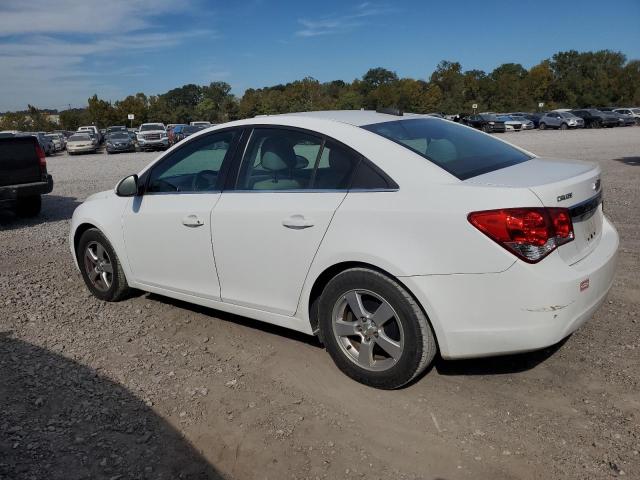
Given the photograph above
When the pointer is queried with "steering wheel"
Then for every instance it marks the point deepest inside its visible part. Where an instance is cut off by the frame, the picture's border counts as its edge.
(204, 180)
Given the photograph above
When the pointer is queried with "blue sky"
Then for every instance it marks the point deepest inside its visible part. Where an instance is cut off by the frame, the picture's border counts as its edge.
(55, 53)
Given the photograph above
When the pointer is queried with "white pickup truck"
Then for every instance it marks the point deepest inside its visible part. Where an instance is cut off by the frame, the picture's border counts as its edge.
(152, 136)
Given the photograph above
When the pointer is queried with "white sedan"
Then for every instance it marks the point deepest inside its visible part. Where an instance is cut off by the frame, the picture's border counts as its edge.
(392, 237)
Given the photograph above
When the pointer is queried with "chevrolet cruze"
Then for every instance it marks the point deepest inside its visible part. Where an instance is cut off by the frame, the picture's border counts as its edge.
(391, 237)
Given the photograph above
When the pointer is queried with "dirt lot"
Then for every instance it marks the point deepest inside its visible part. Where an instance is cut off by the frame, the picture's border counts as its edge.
(155, 388)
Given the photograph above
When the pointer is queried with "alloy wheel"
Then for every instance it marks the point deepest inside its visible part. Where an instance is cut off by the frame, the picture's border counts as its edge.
(367, 329)
(98, 266)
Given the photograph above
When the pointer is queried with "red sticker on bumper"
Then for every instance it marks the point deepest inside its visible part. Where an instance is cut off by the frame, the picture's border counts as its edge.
(584, 285)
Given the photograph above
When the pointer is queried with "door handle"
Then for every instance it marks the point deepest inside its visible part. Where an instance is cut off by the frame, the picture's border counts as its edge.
(192, 220)
(297, 222)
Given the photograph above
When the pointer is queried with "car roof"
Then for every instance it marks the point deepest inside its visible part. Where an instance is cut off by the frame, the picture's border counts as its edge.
(357, 118)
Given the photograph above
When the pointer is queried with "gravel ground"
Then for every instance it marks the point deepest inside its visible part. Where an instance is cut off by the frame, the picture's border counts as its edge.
(155, 388)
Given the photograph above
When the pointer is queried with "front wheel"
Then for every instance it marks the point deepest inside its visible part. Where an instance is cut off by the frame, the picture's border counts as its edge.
(100, 268)
(374, 330)
(542, 126)
(564, 126)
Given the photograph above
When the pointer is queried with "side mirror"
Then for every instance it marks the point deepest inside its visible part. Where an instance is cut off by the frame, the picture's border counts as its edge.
(128, 186)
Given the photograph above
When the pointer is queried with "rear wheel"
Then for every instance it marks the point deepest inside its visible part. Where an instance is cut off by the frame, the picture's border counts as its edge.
(29, 206)
(564, 126)
(374, 330)
(542, 126)
(100, 267)
(596, 124)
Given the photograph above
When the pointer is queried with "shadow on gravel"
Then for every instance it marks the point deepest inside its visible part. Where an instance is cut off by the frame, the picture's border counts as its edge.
(498, 365)
(60, 420)
(54, 209)
(244, 321)
(632, 161)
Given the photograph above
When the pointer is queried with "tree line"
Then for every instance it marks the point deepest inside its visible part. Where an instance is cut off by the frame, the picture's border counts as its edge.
(568, 79)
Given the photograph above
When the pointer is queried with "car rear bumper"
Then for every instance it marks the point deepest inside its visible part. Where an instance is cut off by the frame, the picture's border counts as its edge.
(15, 192)
(524, 308)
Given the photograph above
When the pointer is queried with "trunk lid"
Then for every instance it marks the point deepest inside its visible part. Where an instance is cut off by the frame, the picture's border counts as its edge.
(559, 183)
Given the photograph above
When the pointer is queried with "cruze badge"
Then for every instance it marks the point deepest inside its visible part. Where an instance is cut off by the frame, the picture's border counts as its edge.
(566, 196)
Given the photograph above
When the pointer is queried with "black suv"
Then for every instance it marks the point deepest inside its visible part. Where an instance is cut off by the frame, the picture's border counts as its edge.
(487, 122)
(595, 118)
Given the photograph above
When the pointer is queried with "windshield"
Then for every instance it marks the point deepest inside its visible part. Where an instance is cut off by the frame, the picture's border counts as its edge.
(459, 150)
(567, 115)
(192, 129)
(489, 117)
(151, 126)
(119, 136)
(505, 118)
(636, 110)
(79, 137)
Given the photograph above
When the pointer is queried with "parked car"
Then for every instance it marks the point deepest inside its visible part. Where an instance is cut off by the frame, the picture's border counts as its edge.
(401, 232)
(171, 131)
(634, 112)
(152, 136)
(91, 128)
(81, 142)
(510, 123)
(23, 174)
(525, 122)
(624, 119)
(533, 117)
(63, 139)
(45, 143)
(560, 120)
(595, 118)
(487, 122)
(120, 141)
(57, 143)
(183, 131)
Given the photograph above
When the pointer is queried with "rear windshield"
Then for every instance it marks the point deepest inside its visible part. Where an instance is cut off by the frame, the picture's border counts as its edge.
(76, 138)
(459, 150)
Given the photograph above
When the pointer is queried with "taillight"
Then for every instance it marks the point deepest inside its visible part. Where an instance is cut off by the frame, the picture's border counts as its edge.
(529, 233)
(41, 156)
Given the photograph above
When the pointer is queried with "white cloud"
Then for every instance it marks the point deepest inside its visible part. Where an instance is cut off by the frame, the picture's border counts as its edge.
(341, 23)
(20, 17)
(55, 53)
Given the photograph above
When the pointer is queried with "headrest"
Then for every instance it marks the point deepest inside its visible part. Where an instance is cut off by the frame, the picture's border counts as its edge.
(277, 154)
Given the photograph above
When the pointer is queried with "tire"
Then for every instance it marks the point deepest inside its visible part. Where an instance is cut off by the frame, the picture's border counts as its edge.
(29, 206)
(108, 286)
(596, 124)
(564, 126)
(542, 126)
(406, 333)
(486, 129)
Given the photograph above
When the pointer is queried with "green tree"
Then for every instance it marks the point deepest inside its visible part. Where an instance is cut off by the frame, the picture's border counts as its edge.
(15, 121)
(449, 79)
(73, 118)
